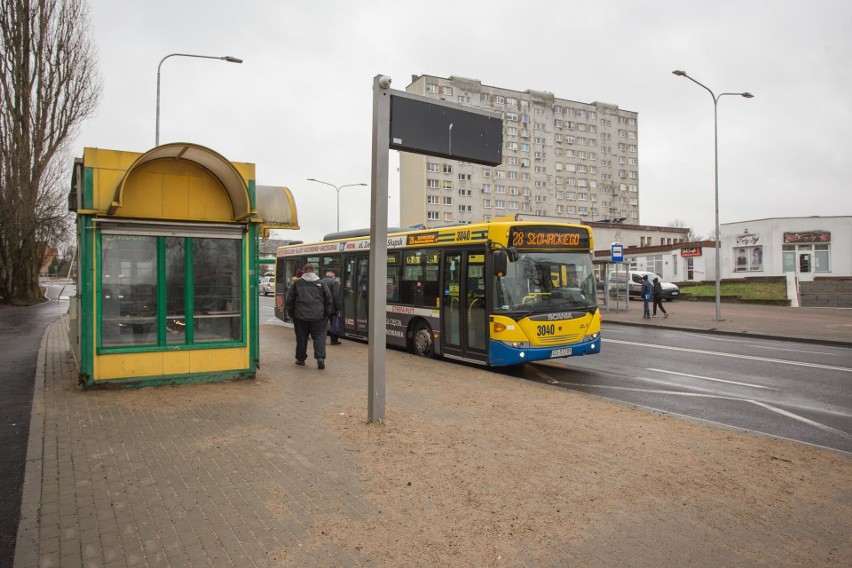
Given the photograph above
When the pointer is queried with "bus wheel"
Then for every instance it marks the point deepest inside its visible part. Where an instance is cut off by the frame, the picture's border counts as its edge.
(421, 342)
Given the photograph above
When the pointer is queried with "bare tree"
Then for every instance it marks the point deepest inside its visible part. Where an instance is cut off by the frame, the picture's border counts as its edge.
(50, 84)
(691, 236)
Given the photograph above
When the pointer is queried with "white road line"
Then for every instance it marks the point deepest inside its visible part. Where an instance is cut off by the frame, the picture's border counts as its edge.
(712, 379)
(739, 341)
(808, 421)
(780, 411)
(734, 355)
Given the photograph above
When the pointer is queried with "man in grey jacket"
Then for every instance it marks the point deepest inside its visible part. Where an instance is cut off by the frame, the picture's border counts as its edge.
(309, 303)
(330, 280)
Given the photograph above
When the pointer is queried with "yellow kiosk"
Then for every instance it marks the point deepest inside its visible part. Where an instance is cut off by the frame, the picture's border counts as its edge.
(167, 277)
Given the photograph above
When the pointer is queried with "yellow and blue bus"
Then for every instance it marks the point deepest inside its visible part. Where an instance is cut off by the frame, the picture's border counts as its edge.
(494, 293)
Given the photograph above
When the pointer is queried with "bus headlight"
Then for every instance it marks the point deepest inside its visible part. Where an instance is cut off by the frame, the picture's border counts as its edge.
(592, 336)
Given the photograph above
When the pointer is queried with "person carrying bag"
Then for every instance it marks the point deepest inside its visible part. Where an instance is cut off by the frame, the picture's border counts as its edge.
(335, 320)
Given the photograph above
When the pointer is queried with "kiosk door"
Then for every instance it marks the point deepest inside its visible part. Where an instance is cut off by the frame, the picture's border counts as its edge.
(464, 322)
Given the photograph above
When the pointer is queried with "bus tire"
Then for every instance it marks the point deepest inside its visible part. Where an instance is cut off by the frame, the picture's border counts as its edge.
(422, 343)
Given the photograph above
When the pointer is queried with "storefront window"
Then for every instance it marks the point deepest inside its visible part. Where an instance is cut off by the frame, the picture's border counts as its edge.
(821, 257)
(128, 292)
(748, 259)
(216, 288)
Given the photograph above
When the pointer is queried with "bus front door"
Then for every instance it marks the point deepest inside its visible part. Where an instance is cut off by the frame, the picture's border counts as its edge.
(464, 322)
(355, 281)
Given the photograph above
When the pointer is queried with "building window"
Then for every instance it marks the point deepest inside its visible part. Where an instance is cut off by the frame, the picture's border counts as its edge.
(432, 216)
(448, 200)
(433, 183)
(446, 90)
(432, 200)
(448, 184)
(433, 167)
(431, 88)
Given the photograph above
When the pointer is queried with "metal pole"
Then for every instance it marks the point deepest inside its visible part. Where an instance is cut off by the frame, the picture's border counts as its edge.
(718, 236)
(337, 189)
(746, 95)
(376, 325)
(227, 58)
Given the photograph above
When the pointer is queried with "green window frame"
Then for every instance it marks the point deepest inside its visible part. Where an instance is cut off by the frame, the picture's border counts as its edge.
(160, 292)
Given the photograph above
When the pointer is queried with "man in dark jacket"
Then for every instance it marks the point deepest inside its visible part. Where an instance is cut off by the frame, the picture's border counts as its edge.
(334, 287)
(658, 298)
(647, 293)
(309, 303)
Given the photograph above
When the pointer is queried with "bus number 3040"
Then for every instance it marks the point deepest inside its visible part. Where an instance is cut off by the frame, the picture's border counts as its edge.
(546, 330)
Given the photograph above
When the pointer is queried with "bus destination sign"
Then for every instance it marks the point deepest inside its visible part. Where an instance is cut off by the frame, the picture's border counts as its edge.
(549, 237)
(423, 239)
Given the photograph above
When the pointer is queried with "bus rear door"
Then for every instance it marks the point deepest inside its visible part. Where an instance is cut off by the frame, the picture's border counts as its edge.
(356, 278)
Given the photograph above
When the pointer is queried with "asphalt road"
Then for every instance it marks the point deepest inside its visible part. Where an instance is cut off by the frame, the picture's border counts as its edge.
(21, 330)
(799, 391)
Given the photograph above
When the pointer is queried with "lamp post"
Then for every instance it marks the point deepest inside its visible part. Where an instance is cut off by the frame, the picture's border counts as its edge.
(716, 98)
(337, 188)
(227, 58)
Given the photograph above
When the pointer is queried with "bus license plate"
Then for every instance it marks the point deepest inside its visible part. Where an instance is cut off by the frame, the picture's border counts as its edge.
(561, 352)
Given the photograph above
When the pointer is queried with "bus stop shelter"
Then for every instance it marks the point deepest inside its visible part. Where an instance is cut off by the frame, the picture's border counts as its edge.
(168, 266)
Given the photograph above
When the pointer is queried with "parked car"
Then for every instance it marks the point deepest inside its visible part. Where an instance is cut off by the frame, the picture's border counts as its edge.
(616, 282)
(267, 285)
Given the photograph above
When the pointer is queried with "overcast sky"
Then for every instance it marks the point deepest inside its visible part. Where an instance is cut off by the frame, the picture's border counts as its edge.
(300, 106)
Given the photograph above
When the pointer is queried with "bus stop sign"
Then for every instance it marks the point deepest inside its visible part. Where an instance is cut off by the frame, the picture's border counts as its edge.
(617, 252)
(421, 125)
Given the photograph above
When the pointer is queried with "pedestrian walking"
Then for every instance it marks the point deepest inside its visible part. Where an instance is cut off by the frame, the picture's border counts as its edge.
(658, 298)
(309, 303)
(647, 292)
(335, 326)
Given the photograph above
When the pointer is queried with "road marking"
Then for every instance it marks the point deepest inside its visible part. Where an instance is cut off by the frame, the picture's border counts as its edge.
(769, 407)
(712, 379)
(734, 355)
(739, 341)
(782, 412)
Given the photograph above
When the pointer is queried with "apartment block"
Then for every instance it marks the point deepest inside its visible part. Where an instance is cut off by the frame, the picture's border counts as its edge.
(561, 158)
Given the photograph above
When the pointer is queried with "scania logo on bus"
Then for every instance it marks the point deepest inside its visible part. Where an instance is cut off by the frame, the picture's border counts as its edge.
(560, 316)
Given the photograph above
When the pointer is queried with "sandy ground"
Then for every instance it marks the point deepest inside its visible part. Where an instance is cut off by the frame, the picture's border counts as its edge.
(533, 475)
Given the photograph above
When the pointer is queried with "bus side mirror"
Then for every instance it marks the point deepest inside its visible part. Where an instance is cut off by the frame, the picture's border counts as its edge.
(500, 262)
(513, 254)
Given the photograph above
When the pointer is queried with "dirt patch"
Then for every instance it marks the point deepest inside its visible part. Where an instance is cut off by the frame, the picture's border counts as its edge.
(533, 468)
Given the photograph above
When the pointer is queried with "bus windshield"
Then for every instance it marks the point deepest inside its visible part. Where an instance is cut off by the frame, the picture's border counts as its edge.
(546, 281)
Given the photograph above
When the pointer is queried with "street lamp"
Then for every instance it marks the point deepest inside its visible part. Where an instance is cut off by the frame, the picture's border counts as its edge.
(227, 58)
(716, 98)
(337, 188)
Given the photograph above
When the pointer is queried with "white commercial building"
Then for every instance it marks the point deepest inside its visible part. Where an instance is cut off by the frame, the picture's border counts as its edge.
(806, 247)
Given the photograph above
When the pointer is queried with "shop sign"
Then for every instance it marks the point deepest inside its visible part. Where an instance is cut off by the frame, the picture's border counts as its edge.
(808, 237)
